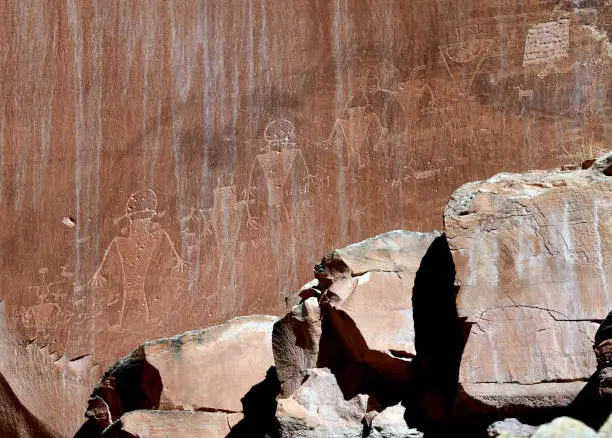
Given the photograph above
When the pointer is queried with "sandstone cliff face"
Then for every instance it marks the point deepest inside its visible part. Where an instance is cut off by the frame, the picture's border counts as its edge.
(408, 334)
(151, 156)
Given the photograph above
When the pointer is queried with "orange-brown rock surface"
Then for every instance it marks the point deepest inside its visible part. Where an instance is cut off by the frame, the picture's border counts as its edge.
(532, 253)
(168, 166)
(222, 369)
(337, 321)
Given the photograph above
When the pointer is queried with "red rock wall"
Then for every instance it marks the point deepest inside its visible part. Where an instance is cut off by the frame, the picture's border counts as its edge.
(265, 133)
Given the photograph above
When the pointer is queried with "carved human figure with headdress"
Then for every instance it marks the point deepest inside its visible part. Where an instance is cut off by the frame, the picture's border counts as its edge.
(139, 273)
(277, 210)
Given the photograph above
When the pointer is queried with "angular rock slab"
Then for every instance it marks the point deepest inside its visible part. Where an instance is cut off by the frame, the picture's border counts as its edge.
(170, 424)
(318, 409)
(533, 253)
(564, 427)
(210, 369)
(390, 423)
(356, 288)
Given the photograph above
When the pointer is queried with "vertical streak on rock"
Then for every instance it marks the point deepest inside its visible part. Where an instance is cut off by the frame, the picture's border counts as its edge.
(251, 72)
(570, 281)
(339, 21)
(599, 253)
(2, 127)
(177, 80)
(77, 41)
(96, 136)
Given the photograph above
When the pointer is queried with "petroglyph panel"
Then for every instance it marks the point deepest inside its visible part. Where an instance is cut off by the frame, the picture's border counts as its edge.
(547, 42)
(165, 168)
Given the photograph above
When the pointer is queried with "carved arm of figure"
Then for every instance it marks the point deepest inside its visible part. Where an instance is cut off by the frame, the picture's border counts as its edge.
(180, 265)
(97, 281)
(309, 179)
(247, 194)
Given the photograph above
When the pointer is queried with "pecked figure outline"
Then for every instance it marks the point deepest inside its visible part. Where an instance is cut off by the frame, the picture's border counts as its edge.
(283, 170)
(126, 286)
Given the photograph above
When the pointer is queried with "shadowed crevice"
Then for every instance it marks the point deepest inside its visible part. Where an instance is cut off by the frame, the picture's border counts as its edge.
(259, 408)
(439, 342)
(357, 368)
(130, 384)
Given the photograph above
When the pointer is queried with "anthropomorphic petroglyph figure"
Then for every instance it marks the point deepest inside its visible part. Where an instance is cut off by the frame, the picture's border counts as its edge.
(42, 315)
(125, 274)
(226, 217)
(278, 194)
(383, 103)
(280, 174)
(370, 116)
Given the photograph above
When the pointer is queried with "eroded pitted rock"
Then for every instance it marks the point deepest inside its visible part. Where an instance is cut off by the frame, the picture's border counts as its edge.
(318, 408)
(337, 321)
(533, 253)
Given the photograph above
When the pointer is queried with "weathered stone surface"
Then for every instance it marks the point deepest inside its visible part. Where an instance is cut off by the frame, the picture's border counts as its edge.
(603, 351)
(212, 369)
(564, 427)
(510, 427)
(338, 321)
(606, 429)
(169, 424)
(162, 167)
(390, 423)
(319, 409)
(532, 253)
(39, 390)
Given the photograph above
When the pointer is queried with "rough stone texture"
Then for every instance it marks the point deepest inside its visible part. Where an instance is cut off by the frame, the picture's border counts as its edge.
(31, 381)
(606, 429)
(603, 351)
(338, 321)
(390, 423)
(169, 424)
(212, 369)
(564, 427)
(532, 253)
(319, 409)
(510, 427)
(247, 125)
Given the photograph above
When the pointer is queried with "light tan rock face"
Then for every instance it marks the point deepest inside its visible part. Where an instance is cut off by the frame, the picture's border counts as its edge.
(533, 253)
(218, 369)
(168, 166)
(356, 317)
(564, 427)
(31, 381)
(169, 424)
(319, 409)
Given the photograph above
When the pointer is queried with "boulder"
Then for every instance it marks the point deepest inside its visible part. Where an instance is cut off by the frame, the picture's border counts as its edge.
(336, 322)
(390, 423)
(564, 427)
(217, 369)
(510, 427)
(170, 424)
(319, 409)
(533, 253)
